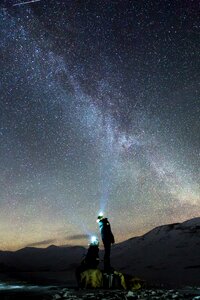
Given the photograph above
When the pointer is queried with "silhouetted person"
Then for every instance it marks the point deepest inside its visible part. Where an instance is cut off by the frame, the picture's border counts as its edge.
(90, 261)
(107, 239)
(92, 256)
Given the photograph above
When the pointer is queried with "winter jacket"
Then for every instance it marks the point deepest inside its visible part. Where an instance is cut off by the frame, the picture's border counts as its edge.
(92, 257)
(106, 233)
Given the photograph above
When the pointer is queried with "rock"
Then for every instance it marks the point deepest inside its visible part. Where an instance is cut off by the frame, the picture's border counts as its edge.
(65, 290)
(143, 294)
(66, 294)
(131, 295)
(153, 293)
(56, 296)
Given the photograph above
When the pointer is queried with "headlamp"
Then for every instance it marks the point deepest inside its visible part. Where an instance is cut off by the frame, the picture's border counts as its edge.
(100, 216)
(94, 240)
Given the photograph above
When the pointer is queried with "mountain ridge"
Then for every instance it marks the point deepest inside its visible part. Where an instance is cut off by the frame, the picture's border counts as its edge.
(167, 253)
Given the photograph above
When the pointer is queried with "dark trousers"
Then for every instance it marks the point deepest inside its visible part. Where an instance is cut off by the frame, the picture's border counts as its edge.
(107, 248)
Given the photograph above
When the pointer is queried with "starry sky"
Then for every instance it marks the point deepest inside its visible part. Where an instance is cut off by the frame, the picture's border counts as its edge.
(99, 110)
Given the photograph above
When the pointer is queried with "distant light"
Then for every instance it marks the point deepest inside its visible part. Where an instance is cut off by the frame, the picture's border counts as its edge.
(16, 287)
(10, 286)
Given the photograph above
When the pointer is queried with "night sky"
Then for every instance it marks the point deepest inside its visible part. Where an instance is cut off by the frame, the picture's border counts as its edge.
(99, 110)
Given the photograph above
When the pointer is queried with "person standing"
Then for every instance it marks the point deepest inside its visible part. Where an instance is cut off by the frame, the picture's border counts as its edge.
(107, 239)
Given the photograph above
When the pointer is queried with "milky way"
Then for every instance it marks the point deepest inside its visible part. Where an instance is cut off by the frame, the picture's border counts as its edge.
(99, 110)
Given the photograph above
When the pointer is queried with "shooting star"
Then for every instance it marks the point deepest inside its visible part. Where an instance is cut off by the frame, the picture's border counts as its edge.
(27, 2)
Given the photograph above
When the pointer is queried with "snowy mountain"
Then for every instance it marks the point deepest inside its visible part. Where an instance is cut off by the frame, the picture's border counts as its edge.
(168, 253)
